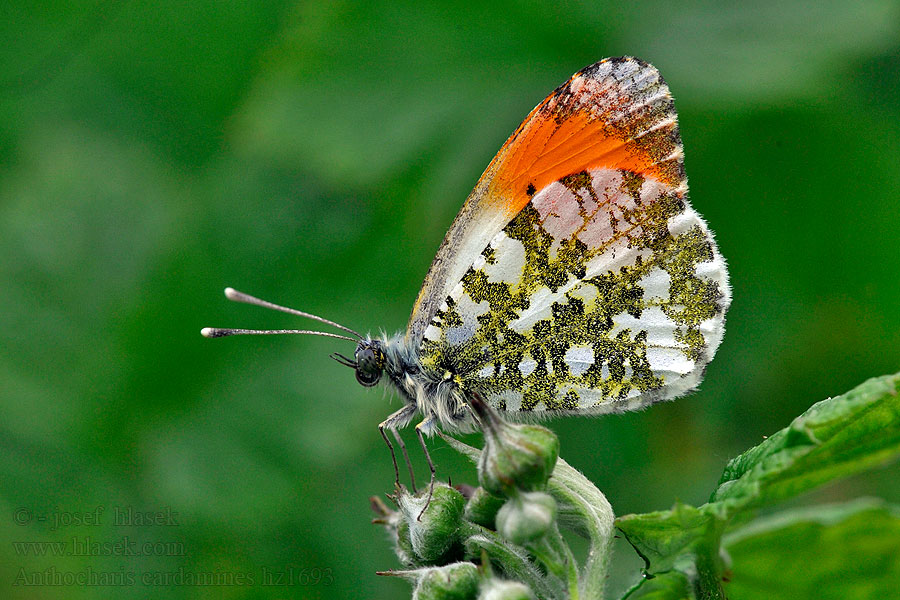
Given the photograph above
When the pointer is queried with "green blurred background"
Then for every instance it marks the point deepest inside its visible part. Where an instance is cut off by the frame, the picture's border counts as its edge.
(314, 154)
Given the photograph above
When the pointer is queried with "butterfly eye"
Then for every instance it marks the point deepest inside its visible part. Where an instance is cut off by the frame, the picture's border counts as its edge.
(369, 365)
(367, 379)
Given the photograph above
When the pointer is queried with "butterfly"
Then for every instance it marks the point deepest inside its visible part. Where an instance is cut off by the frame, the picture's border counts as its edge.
(576, 280)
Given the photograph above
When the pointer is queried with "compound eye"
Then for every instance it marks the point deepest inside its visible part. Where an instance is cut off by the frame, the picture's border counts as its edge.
(367, 378)
(368, 366)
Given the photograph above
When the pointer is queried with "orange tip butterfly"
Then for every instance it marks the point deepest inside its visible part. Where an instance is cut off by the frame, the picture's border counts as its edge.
(577, 278)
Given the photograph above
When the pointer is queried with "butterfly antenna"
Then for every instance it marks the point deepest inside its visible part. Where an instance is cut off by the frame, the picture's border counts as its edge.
(216, 332)
(236, 296)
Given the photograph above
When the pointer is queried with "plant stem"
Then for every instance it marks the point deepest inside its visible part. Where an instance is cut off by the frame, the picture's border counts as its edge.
(584, 509)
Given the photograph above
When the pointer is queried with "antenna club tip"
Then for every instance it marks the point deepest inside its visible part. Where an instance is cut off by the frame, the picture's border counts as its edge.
(209, 332)
(231, 293)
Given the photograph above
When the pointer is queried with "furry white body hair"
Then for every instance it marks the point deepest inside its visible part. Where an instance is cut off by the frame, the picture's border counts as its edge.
(438, 397)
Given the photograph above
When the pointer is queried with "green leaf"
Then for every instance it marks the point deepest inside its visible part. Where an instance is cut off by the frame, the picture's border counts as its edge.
(664, 537)
(826, 552)
(671, 585)
(686, 539)
(835, 438)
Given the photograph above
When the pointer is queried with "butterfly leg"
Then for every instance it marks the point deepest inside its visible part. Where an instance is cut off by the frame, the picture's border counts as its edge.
(426, 425)
(412, 476)
(393, 422)
(393, 456)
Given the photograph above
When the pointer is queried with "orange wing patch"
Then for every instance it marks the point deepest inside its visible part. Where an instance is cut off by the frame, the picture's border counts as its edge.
(616, 114)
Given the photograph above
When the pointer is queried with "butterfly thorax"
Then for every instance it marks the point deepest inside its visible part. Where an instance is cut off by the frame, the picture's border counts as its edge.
(437, 396)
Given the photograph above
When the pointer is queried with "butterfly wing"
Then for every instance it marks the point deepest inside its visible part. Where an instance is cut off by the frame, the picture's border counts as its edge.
(577, 277)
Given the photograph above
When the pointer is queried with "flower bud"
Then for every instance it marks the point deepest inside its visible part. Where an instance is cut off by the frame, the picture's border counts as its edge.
(433, 537)
(526, 517)
(403, 545)
(482, 508)
(517, 457)
(457, 581)
(500, 589)
(398, 530)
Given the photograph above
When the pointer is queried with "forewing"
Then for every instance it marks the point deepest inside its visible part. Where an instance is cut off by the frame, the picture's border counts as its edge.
(616, 114)
(603, 290)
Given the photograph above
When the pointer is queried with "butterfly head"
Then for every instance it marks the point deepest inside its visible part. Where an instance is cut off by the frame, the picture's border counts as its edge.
(368, 362)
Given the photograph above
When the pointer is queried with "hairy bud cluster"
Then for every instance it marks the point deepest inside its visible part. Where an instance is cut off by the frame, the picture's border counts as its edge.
(444, 538)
